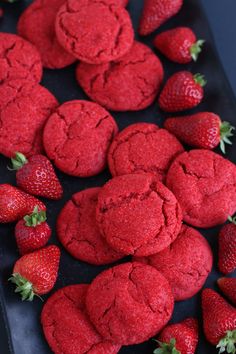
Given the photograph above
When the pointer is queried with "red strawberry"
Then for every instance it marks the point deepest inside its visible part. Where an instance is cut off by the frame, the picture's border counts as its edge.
(156, 12)
(179, 45)
(36, 273)
(179, 338)
(219, 320)
(227, 247)
(32, 232)
(15, 204)
(228, 287)
(182, 91)
(203, 130)
(37, 176)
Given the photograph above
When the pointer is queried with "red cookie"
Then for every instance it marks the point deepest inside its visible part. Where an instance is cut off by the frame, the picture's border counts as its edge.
(128, 84)
(24, 108)
(67, 327)
(94, 31)
(143, 147)
(138, 215)
(129, 303)
(186, 263)
(83, 134)
(37, 24)
(18, 59)
(204, 183)
(77, 230)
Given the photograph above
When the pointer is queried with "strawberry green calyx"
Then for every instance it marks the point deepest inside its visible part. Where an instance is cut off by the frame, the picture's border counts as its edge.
(200, 79)
(36, 218)
(226, 131)
(18, 161)
(228, 343)
(167, 348)
(232, 219)
(196, 49)
(23, 286)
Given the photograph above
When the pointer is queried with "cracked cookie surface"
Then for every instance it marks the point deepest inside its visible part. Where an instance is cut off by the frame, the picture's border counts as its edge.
(129, 303)
(24, 108)
(77, 230)
(83, 134)
(37, 25)
(204, 184)
(137, 214)
(94, 31)
(186, 263)
(143, 147)
(67, 327)
(128, 84)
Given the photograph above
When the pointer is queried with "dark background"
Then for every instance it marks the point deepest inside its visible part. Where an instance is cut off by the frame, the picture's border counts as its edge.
(22, 318)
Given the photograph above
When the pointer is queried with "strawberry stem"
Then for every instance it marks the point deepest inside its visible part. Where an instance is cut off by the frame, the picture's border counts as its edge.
(196, 49)
(167, 348)
(226, 131)
(23, 286)
(36, 218)
(18, 161)
(200, 79)
(228, 343)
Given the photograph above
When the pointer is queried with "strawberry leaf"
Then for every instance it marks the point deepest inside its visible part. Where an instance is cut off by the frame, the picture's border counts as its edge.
(18, 161)
(226, 131)
(36, 218)
(167, 348)
(196, 49)
(23, 286)
(228, 343)
(232, 219)
(200, 79)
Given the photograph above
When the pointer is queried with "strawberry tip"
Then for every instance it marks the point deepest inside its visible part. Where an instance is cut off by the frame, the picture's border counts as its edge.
(228, 343)
(196, 49)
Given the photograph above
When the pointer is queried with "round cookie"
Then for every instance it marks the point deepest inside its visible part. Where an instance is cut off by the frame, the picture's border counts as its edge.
(83, 134)
(18, 59)
(137, 214)
(67, 327)
(143, 147)
(37, 24)
(94, 31)
(204, 183)
(129, 303)
(128, 84)
(78, 232)
(186, 263)
(24, 109)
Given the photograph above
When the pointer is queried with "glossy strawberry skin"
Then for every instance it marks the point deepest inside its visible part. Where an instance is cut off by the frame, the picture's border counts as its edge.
(40, 268)
(228, 288)
(156, 12)
(15, 204)
(218, 316)
(227, 249)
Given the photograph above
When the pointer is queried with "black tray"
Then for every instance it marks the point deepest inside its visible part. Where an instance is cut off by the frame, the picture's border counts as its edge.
(22, 333)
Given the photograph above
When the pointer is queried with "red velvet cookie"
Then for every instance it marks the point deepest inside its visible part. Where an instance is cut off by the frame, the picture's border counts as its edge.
(204, 183)
(37, 24)
(77, 230)
(83, 134)
(18, 59)
(67, 327)
(129, 303)
(128, 84)
(94, 31)
(143, 147)
(24, 108)
(138, 215)
(186, 263)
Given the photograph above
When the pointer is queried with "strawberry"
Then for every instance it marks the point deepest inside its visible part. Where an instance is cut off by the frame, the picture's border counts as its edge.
(219, 321)
(32, 232)
(156, 12)
(179, 338)
(182, 91)
(227, 247)
(37, 176)
(228, 287)
(14, 204)
(36, 273)
(179, 45)
(203, 130)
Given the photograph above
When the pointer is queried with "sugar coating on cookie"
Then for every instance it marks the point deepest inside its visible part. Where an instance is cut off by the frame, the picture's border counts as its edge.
(24, 108)
(143, 147)
(37, 24)
(186, 263)
(78, 232)
(204, 183)
(137, 214)
(94, 31)
(18, 59)
(130, 83)
(129, 303)
(83, 134)
(67, 327)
